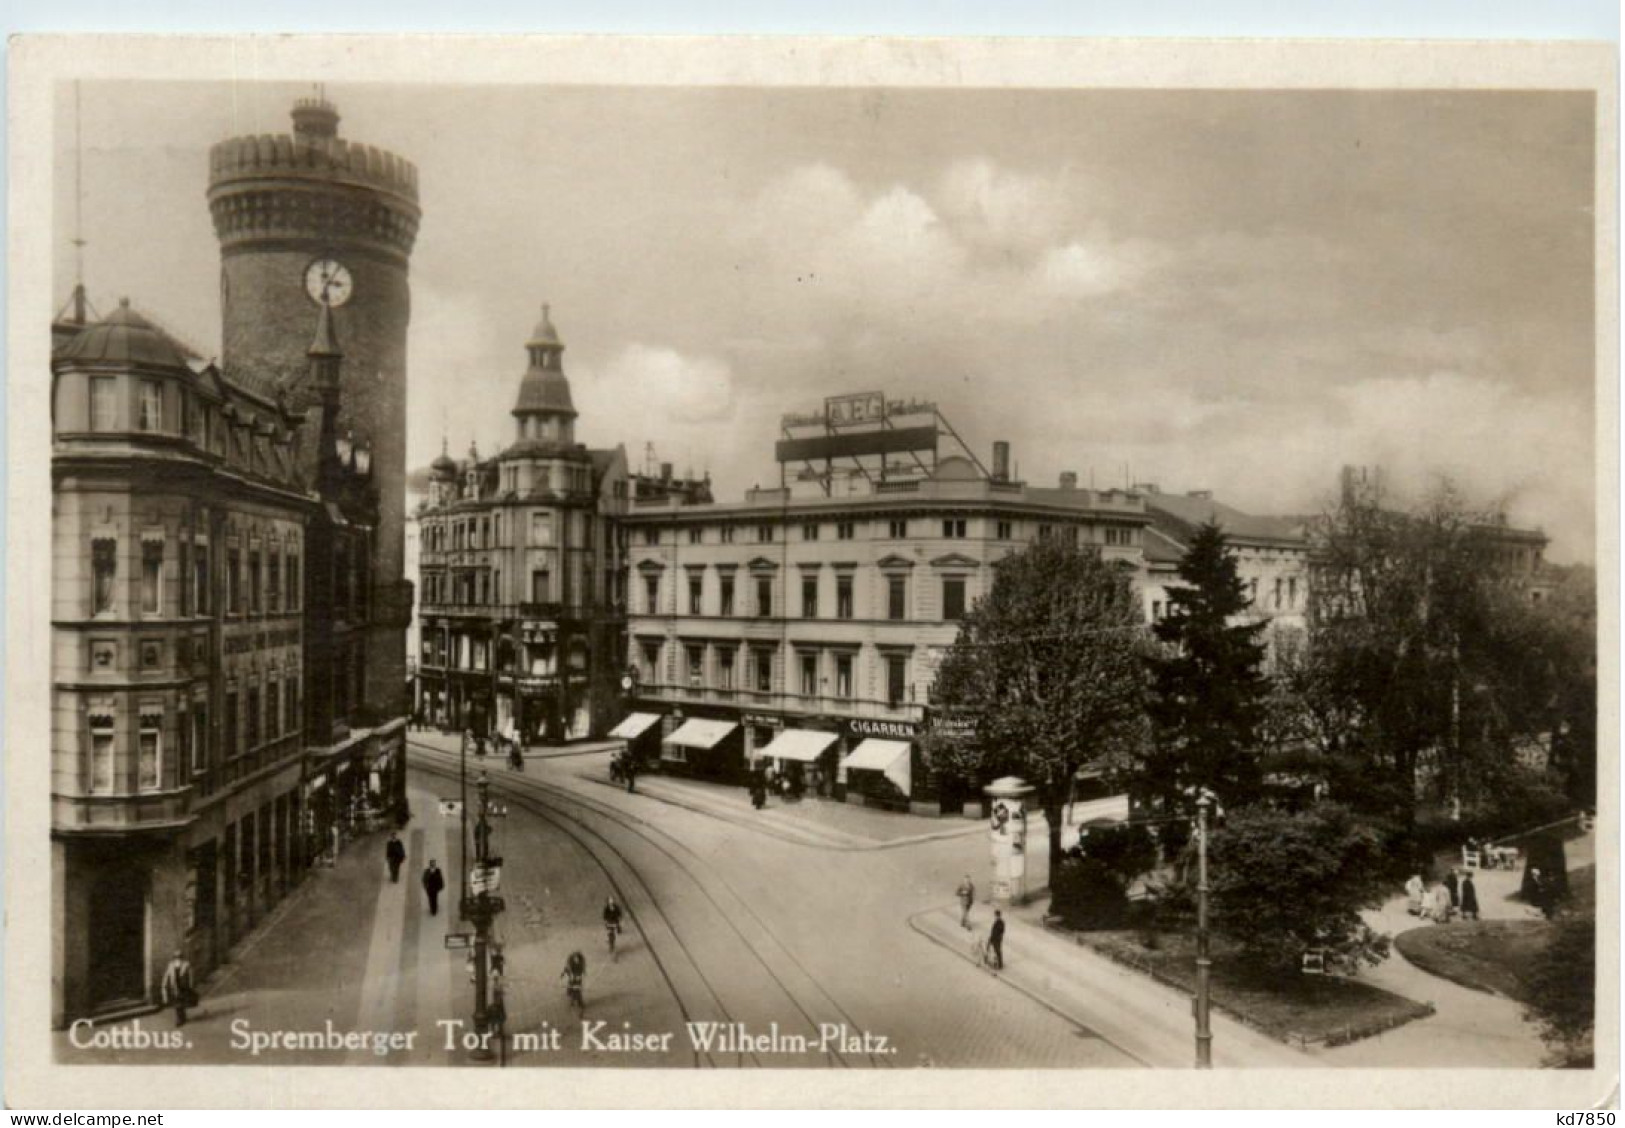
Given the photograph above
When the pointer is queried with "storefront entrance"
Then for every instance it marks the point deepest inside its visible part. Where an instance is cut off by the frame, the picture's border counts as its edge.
(118, 936)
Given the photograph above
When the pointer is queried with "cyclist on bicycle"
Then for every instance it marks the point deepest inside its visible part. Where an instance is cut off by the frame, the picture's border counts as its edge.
(612, 921)
(574, 975)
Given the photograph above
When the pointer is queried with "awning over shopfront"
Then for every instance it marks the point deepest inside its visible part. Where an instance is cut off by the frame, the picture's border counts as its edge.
(701, 733)
(887, 756)
(798, 744)
(634, 725)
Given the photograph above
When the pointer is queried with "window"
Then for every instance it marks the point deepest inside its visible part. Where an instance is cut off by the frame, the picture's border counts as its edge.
(809, 532)
(727, 595)
(896, 679)
(651, 660)
(149, 766)
(1252, 590)
(184, 575)
(764, 534)
(809, 597)
(273, 710)
(295, 592)
(725, 669)
(103, 405)
(1006, 530)
(809, 675)
(954, 528)
(200, 736)
(151, 417)
(253, 718)
(696, 535)
(541, 528)
(726, 534)
(843, 597)
(541, 586)
(651, 591)
(651, 536)
(103, 565)
(896, 597)
(696, 665)
(1044, 532)
(152, 576)
(763, 661)
(1292, 591)
(200, 579)
(101, 754)
(953, 597)
(273, 582)
(898, 529)
(844, 530)
(234, 593)
(254, 581)
(764, 597)
(228, 737)
(696, 592)
(843, 675)
(1156, 611)
(1278, 586)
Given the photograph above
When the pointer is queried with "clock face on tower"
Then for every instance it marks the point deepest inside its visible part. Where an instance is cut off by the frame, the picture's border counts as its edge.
(328, 282)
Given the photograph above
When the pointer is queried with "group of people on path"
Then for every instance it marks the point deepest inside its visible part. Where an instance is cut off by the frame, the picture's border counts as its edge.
(1455, 895)
(433, 879)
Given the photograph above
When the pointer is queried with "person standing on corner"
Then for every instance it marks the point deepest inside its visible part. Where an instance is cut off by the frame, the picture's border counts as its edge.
(395, 855)
(996, 940)
(1469, 898)
(177, 988)
(967, 897)
(433, 882)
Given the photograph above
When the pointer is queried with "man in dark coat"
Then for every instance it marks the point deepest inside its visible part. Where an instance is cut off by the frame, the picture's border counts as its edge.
(395, 855)
(177, 987)
(1469, 898)
(997, 940)
(433, 882)
(1452, 887)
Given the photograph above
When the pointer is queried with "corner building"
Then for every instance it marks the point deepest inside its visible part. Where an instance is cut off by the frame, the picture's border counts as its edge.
(802, 627)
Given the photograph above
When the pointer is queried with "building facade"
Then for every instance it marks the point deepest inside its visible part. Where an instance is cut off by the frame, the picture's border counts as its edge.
(801, 628)
(224, 590)
(521, 573)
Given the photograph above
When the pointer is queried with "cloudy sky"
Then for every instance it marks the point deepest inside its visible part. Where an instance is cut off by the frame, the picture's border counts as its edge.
(1224, 290)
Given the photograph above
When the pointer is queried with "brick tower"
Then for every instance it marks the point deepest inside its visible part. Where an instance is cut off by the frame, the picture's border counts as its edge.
(305, 219)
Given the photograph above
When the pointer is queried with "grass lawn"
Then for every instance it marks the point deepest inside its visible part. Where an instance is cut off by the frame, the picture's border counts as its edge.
(1297, 1009)
(1492, 955)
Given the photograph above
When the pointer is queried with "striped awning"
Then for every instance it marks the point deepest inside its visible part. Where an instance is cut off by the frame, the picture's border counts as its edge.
(634, 725)
(889, 757)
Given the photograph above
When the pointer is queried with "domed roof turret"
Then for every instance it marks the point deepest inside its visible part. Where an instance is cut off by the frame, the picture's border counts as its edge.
(445, 467)
(544, 389)
(124, 337)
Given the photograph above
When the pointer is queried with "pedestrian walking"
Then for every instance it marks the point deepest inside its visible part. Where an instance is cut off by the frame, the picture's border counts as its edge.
(1413, 895)
(996, 939)
(177, 987)
(433, 882)
(631, 772)
(1469, 898)
(967, 897)
(1440, 904)
(1451, 885)
(395, 855)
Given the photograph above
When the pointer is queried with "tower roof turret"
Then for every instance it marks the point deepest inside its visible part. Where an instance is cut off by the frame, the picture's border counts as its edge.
(444, 467)
(124, 337)
(544, 389)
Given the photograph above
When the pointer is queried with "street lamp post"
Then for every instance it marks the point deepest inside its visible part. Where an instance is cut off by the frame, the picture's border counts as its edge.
(1204, 964)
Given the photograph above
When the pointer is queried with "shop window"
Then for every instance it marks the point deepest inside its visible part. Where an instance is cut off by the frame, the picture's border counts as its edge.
(152, 576)
(896, 597)
(104, 568)
(149, 768)
(843, 675)
(953, 597)
(103, 404)
(101, 754)
(843, 597)
(809, 597)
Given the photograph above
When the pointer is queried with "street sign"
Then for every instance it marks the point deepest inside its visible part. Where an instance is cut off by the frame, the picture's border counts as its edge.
(459, 939)
(484, 879)
(451, 808)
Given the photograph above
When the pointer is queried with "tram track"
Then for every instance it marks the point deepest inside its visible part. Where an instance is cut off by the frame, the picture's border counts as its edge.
(562, 808)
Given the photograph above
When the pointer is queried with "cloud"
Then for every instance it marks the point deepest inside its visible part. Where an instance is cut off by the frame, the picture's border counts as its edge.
(1008, 212)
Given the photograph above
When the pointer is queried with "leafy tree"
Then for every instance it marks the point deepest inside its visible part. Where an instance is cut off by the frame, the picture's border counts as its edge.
(1562, 989)
(1126, 850)
(1284, 883)
(1045, 676)
(1208, 699)
(1085, 893)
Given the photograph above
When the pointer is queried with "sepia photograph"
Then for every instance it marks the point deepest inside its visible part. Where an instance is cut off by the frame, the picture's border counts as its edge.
(705, 571)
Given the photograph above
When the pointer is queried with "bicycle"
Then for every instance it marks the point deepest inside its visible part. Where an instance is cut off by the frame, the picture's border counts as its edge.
(612, 931)
(574, 976)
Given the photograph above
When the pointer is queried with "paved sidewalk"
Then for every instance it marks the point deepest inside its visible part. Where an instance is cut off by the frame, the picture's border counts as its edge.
(1143, 1018)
